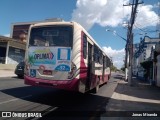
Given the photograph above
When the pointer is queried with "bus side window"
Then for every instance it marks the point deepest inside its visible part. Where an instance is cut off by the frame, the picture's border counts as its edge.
(107, 62)
(96, 54)
(104, 61)
(100, 58)
(84, 46)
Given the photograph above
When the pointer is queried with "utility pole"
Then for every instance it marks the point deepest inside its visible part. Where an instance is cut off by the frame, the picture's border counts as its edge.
(126, 57)
(129, 44)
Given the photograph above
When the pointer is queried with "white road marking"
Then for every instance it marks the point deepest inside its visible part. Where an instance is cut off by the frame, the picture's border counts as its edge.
(15, 99)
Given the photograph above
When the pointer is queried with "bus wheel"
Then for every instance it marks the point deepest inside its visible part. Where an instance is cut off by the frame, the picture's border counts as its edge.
(96, 88)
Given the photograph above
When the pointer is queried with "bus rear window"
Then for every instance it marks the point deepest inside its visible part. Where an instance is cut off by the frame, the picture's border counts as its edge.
(51, 36)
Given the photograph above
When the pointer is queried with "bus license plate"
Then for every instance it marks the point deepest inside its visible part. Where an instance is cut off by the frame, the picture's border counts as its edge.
(47, 72)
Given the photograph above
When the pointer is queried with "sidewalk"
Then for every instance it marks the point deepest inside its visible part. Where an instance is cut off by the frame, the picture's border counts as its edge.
(7, 73)
(139, 97)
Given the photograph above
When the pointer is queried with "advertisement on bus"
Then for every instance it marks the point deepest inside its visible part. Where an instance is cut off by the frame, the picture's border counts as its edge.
(50, 58)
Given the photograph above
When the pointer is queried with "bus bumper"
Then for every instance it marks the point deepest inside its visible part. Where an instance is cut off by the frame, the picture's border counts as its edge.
(60, 84)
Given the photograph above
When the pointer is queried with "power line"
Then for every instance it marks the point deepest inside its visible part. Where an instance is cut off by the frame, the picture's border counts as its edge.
(144, 30)
(155, 19)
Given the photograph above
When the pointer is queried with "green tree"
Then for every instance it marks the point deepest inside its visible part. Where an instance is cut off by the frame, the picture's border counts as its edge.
(113, 68)
(123, 68)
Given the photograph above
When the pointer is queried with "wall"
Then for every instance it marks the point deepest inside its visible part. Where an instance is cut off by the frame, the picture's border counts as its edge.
(15, 55)
(144, 51)
(3, 47)
(158, 70)
(7, 67)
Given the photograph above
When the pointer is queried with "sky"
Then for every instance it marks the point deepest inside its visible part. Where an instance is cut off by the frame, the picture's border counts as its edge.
(96, 16)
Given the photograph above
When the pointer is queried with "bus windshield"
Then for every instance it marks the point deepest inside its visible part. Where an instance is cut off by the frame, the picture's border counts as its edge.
(51, 36)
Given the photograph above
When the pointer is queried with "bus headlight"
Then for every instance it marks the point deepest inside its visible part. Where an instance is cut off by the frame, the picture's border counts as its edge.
(73, 70)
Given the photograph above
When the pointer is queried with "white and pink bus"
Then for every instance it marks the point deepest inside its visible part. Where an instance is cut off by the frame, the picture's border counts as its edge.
(63, 55)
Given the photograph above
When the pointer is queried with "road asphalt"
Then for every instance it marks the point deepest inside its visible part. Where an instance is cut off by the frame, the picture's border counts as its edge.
(139, 100)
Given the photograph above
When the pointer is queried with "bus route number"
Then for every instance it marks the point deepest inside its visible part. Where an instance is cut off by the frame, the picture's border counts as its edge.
(62, 68)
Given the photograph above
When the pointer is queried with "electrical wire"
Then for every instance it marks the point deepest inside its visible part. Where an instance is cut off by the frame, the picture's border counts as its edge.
(145, 29)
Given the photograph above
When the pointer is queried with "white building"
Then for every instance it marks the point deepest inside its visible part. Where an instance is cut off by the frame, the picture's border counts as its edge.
(143, 53)
(134, 66)
(156, 65)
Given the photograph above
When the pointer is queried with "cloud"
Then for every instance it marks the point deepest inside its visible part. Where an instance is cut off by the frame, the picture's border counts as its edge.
(110, 13)
(156, 5)
(117, 56)
(7, 35)
(146, 17)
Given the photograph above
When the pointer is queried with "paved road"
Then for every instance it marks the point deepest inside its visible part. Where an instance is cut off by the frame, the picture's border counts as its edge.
(15, 96)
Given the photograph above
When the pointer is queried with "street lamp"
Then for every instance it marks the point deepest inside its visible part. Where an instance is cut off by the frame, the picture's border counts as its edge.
(126, 52)
(115, 33)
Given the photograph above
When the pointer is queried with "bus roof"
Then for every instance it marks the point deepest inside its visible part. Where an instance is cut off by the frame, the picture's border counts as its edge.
(51, 23)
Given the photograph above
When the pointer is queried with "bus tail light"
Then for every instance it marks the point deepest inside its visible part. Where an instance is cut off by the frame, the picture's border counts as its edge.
(27, 67)
(73, 70)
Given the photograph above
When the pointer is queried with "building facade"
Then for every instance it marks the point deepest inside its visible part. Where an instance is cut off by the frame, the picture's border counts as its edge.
(11, 50)
(19, 30)
(156, 64)
(143, 54)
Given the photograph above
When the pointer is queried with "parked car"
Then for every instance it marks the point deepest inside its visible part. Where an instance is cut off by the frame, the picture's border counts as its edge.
(19, 71)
